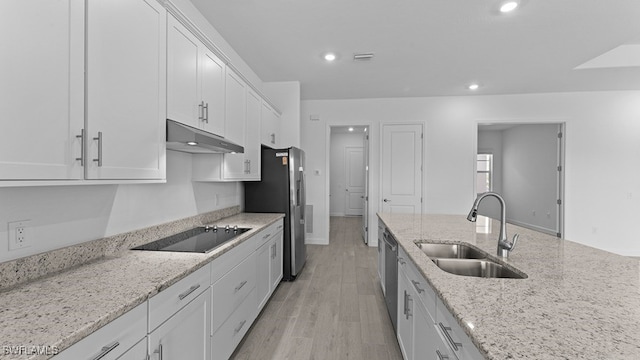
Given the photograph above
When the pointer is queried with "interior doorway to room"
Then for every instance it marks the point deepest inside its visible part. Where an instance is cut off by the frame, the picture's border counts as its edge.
(348, 173)
(525, 164)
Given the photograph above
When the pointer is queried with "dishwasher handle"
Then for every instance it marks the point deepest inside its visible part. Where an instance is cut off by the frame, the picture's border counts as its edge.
(385, 236)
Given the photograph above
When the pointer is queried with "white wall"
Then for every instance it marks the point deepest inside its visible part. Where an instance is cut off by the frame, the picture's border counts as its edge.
(339, 143)
(66, 215)
(530, 176)
(602, 179)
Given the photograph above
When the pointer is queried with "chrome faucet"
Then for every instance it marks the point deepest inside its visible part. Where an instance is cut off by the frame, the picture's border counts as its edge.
(504, 246)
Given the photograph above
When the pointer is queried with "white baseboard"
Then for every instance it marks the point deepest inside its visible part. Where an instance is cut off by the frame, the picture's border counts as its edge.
(316, 241)
(337, 214)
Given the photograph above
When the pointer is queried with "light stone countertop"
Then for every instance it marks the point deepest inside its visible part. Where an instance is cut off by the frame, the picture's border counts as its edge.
(61, 309)
(578, 302)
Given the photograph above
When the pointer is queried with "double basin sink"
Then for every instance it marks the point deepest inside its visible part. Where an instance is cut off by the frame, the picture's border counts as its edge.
(461, 259)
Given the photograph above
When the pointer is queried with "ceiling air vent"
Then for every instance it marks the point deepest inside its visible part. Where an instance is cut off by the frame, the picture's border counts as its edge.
(363, 57)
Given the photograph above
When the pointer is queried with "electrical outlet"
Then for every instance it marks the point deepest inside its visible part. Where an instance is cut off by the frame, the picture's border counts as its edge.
(19, 234)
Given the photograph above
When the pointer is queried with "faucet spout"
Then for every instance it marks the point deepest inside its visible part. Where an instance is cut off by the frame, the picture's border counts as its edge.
(504, 246)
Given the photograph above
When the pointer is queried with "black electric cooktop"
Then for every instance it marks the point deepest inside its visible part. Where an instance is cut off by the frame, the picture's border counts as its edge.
(201, 239)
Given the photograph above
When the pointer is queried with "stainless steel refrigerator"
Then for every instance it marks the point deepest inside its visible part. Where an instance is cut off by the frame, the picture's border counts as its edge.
(282, 190)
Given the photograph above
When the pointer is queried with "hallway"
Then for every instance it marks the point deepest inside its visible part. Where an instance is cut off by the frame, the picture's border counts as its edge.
(334, 310)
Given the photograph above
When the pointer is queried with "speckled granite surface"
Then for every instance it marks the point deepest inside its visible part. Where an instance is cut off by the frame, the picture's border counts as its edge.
(60, 309)
(577, 302)
(32, 267)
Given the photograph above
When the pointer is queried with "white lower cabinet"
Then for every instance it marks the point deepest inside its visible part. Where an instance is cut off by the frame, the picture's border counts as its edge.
(114, 339)
(426, 329)
(186, 334)
(269, 268)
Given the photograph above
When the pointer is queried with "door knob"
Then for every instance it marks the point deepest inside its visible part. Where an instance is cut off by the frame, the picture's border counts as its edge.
(386, 200)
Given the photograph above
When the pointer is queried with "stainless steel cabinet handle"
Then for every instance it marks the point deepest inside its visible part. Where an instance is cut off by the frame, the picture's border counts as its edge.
(445, 330)
(240, 286)
(273, 251)
(440, 356)
(237, 330)
(106, 349)
(159, 352)
(273, 138)
(99, 159)
(205, 110)
(186, 293)
(81, 137)
(386, 200)
(279, 227)
(401, 260)
(404, 305)
(266, 236)
(415, 284)
(409, 299)
(201, 111)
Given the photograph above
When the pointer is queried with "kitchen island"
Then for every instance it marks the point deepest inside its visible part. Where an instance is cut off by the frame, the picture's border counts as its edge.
(577, 302)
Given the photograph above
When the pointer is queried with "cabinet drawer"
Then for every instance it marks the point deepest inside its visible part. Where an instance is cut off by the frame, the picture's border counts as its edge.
(169, 301)
(425, 292)
(230, 291)
(269, 232)
(137, 352)
(452, 333)
(113, 339)
(229, 335)
(223, 264)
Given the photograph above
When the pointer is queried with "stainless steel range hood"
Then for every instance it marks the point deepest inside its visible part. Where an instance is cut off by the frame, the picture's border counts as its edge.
(188, 139)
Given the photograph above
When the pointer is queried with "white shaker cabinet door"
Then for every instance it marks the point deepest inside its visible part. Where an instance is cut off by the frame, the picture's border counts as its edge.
(183, 84)
(235, 108)
(126, 89)
(42, 89)
(213, 92)
(187, 334)
(246, 166)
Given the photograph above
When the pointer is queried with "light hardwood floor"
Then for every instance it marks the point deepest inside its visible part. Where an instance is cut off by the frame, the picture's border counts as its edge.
(333, 310)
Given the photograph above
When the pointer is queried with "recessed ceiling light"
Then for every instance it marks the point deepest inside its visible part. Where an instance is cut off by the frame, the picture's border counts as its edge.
(508, 6)
(350, 129)
(329, 56)
(473, 86)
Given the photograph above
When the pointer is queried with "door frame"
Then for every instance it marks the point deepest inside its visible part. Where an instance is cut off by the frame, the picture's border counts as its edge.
(561, 145)
(327, 177)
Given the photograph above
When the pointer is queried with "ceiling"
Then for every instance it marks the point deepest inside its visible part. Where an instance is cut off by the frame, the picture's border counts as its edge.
(432, 47)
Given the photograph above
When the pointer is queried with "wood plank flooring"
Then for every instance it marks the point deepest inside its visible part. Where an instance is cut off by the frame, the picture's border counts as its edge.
(333, 310)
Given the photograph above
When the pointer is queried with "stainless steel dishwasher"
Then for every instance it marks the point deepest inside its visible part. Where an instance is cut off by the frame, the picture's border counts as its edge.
(391, 275)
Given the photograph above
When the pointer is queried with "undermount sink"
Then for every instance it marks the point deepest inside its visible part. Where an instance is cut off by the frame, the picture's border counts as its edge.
(477, 268)
(451, 251)
(465, 260)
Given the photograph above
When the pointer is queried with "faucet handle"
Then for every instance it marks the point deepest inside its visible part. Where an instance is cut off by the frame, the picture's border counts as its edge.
(513, 242)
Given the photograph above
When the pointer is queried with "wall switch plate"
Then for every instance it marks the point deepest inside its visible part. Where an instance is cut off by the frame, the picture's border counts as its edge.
(19, 232)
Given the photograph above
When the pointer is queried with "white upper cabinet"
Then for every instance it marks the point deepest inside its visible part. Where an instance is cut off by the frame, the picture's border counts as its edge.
(195, 81)
(236, 112)
(42, 89)
(270, 125)
(126, 101)
(246, 166)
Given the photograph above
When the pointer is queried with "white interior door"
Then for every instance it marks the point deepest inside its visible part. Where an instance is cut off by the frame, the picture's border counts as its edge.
(402, 168)
(354, 162)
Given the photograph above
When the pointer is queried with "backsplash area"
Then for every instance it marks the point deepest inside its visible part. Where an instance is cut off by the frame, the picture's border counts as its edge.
(35, 266)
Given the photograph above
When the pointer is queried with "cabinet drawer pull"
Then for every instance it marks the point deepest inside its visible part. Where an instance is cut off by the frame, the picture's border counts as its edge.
(266, 236)
(237, 330)
(186, 293)
(106, 349)
(279, 226)
(81, 137)
(445, 330)
(401, 260)
(415, 284)
(440, 356)
(159, 351)
(99, 139)
(240, 286)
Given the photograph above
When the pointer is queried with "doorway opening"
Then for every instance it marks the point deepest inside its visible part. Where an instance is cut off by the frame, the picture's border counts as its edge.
(348, 174)
(524, 162)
